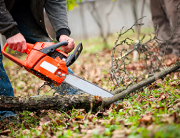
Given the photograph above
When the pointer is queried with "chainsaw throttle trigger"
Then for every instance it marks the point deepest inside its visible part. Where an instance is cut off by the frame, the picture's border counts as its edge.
(72, 57)
(52, 48)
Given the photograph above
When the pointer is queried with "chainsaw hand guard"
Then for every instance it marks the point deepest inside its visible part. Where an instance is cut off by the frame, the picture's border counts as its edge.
(72, 57)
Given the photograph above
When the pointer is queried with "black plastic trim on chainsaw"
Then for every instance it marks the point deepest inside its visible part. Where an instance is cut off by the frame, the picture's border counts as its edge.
(72, 57)
(53, 47)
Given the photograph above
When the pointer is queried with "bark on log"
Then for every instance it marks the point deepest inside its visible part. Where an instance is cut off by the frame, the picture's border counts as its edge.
(65, 103)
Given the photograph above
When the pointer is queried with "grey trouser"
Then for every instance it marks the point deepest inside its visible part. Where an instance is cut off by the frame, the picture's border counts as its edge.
(166, 20)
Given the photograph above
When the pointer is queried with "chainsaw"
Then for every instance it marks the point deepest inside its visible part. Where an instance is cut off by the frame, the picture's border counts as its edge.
(50, 64)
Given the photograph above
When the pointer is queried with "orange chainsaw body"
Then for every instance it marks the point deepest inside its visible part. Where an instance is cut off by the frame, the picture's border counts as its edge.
(40, 64)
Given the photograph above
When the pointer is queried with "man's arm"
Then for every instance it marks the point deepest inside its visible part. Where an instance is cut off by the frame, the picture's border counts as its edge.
(8, 27)
(7, 24)
(57, 13)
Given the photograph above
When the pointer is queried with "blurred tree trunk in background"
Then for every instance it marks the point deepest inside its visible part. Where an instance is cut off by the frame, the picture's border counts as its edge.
(98, 20)
(134, 9)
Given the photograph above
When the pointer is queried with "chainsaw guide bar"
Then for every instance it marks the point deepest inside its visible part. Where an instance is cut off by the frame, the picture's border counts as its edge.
(86, 86)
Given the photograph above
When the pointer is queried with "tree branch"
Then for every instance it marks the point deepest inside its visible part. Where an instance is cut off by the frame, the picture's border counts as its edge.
(119, 94)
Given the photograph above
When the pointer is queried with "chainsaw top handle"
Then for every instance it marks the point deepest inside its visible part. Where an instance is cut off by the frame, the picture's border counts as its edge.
(52, 48)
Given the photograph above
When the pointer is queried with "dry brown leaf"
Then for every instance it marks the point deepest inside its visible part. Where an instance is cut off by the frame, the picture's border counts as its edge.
(162, 96)
(112, 106)
(176, 116)
(128, 131)
(120, 121)
(5, 132)
(26, 132)
(112, 121)
(173, 118)
(128, 124)
(177, 106)
(138, 99)
(166, 118)
(118, 133)
(131, 111)
(99, 129)
(162, 108)
(177, 101)
(45, 120)
(80, 111)
(26, 125)
(99, 113)
(119, 106)
(58, 121)
(105, 114)
(146, 119)
(90, 118)
(98, 99)
(90, 125)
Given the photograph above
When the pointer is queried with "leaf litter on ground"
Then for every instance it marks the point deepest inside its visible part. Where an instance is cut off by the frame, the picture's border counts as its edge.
(152, 112)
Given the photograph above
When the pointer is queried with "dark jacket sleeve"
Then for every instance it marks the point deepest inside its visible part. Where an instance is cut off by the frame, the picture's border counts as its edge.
(57, 13)
(8, 26)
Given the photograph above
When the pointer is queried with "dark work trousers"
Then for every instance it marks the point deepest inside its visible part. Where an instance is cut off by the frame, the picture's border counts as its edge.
(33, 33)
(166, 20)
(5, 88)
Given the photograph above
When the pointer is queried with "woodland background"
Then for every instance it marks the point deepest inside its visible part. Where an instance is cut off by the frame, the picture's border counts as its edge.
(151, 111)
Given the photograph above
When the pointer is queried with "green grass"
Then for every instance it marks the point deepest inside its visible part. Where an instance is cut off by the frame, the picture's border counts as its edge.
(159, 129)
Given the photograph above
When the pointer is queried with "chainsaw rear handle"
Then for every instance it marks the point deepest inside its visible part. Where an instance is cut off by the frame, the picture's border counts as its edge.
(29, 48)
(14, 59)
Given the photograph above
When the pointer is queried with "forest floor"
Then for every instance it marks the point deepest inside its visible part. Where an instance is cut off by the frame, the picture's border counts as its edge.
(153, 111)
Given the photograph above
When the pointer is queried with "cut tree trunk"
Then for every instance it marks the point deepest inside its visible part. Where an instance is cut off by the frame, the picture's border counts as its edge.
(68, 102)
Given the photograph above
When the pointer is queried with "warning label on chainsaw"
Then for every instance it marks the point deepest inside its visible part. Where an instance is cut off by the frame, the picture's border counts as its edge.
(48, 66)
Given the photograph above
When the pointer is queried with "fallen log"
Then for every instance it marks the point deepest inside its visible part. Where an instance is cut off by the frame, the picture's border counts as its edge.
(65, 103)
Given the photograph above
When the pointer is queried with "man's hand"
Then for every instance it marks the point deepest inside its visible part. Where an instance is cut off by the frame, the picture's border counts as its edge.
(17, 42)
(71, 43)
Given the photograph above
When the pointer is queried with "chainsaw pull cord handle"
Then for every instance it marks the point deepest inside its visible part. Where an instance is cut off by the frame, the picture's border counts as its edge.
(14, 59)
(52, 48)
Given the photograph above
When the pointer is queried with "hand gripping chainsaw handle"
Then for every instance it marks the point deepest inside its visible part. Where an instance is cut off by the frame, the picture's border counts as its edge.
(14, 59)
